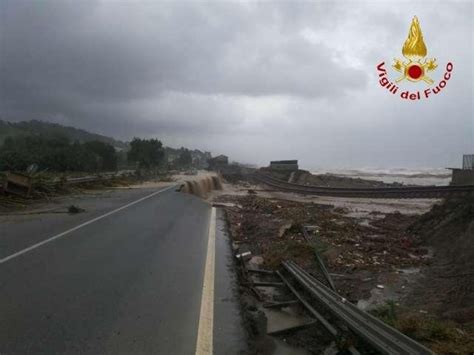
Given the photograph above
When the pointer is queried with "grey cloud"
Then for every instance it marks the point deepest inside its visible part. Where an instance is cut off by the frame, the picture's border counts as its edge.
(234, 77)
(108, 51)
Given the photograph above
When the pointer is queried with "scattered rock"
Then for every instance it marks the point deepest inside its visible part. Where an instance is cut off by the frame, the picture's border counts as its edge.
(282, 230)
(245, 255)
(255, 261)
(74, 209)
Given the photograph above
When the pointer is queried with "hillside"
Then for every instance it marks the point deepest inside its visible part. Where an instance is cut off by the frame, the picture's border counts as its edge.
(35, 127)
(48, 129)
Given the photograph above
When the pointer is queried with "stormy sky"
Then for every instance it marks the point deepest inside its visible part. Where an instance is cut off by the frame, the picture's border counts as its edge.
(253, 80)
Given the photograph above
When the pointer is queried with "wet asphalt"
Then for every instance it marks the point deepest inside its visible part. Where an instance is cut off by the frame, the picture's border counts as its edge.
(129, 283)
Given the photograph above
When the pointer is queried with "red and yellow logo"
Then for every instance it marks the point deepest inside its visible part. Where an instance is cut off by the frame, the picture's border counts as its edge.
(415, 68)
(415, 51)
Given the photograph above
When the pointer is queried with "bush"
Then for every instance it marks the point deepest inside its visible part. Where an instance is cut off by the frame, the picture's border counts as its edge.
(55, 154)
(149, 153)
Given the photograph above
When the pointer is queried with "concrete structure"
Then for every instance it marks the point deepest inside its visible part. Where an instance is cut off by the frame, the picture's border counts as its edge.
(284, 165)
(464, 176)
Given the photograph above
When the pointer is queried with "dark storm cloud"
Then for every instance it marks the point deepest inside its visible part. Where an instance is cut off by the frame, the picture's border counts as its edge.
(239, 77)
(59, 58)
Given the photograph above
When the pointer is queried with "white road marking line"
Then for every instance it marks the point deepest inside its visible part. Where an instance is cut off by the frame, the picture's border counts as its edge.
(204, 344)
(37, 245)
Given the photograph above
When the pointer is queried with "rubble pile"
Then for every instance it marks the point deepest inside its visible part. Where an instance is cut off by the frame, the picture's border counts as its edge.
(449, 228)
(421, 266)
(273, 228)
(384, 244)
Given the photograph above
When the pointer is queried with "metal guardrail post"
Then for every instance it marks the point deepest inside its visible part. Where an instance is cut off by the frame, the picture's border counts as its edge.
(320, 261)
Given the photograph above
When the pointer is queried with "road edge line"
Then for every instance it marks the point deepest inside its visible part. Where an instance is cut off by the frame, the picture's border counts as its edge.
(46, 241)
(204, 343)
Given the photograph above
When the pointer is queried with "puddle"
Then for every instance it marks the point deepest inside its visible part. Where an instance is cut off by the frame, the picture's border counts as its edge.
(410, 270)
(365, 223)
(226, 204)
(357, 214)
(364, 218)
(283, 348)
(282, 319)
(377, 298)
(269, 292)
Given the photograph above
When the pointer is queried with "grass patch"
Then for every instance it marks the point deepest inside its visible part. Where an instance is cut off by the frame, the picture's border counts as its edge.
(319, 246)
(386, 313)
(441, 336)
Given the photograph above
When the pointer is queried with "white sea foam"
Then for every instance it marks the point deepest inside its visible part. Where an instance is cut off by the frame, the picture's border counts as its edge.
(418, 176)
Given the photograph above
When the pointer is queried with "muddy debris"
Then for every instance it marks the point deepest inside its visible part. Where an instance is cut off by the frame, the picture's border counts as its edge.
(274, 230)
(389, 257)
(449, 229)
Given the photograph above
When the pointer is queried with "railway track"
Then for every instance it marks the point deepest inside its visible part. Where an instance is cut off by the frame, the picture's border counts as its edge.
(379, 192)
(378, 335)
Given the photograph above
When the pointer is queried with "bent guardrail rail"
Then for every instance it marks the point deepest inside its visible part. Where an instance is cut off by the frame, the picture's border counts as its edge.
(384, 338)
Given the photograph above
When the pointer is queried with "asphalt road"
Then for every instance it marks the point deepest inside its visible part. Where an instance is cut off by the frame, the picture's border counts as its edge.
(127, 283)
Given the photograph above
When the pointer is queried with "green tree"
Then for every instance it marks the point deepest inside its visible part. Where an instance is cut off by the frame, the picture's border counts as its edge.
(185, 158)
(149, 153)
(55, 154)
(105, 154)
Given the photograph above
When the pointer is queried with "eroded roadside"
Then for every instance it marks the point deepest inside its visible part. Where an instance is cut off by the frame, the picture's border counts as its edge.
(376, 259)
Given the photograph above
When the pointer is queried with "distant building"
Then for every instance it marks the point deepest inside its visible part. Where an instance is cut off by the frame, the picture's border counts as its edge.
(200, 159)
(218, 162)
(284, 165)
(464, 176)
(468, 161)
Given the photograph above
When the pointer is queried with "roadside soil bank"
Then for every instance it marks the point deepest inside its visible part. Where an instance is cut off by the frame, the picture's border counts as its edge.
(70, 201)
(449, 228)
(377, 251)
(44, 190)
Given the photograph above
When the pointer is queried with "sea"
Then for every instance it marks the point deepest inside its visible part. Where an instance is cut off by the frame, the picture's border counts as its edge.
(406, 176)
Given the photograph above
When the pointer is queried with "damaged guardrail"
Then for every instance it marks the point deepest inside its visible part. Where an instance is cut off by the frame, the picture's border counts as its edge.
(17, 184)
(22, 184)
(378, 334)
(320, 262)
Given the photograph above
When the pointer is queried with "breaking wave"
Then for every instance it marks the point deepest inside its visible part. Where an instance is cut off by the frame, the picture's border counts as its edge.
(421, 176)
